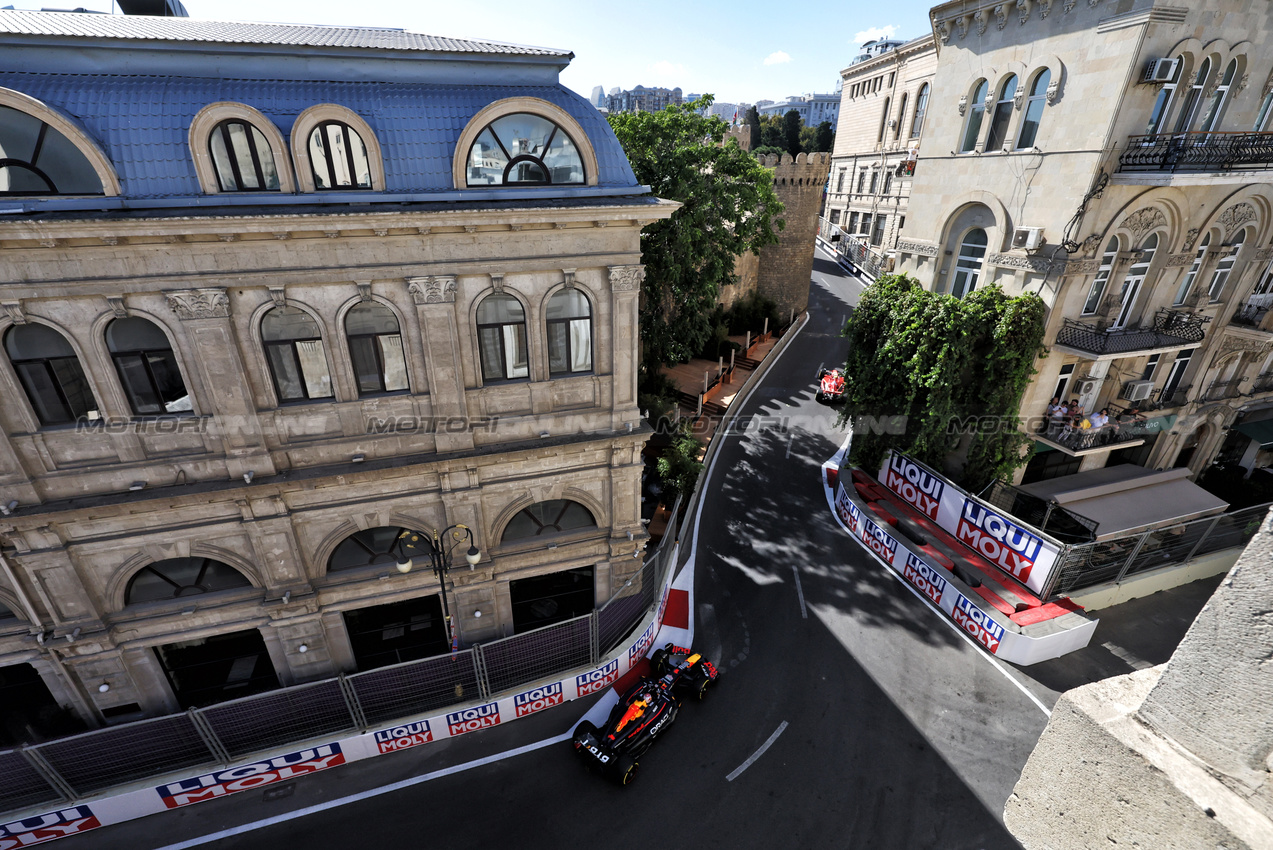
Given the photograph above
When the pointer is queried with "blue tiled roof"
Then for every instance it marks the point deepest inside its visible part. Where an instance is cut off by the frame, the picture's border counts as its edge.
(146, 28)
(143, 122)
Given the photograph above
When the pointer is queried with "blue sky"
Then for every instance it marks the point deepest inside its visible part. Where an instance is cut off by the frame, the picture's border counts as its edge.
(741, 50)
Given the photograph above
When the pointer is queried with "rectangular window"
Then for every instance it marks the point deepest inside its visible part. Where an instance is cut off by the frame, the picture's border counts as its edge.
(875, 180)
(901, 222)
(1177, 373)
(835, 216)
(1063, 381)
(861, 181)
(1150, 367)
(878, 236)
(888, 182)
(890, 79)
(853, 223)
(866, 223)
(839, 181)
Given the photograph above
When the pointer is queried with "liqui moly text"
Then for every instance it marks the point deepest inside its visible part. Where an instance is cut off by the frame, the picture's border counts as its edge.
(878, 541)
(998, 540)
(917, 486)
(642, 645)
(977, 623)
(404, 737)
(924, 577)
(41, 828)
(249, 776)
(538, 699)
(478, 717)
(597, 680)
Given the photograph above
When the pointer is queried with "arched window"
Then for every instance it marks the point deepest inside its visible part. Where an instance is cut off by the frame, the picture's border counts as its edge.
(147, 368)
(1265, 110)
(294, 350)
(36, 159)
(1162, 104)
(1034, 110)
(551, 517)
(921, 106)
(976, 113)
(883, 120)
(1219, 99)
(1194, 268)
(1132, 282)
(50, 374)
(1192, 100)
(1097, 292)
(1002, 115)
(6, 613)
(242, 158)
(501, 338)
(901, 117)
(177, 578)
(523, 148)
(968, 267)
(375, 346)
(569, 333)
(338, 157)
(1224, 268)
(383, 545)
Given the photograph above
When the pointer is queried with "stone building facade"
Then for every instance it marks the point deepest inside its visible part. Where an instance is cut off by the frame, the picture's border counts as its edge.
(265, 339)
(1113, 157)
(642, 99)
(885, 98)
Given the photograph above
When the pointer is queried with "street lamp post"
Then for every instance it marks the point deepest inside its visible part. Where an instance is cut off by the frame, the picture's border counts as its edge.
(440, 559)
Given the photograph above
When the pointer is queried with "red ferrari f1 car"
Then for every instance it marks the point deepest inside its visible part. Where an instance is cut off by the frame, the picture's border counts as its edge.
(830, 385)
(644, 712)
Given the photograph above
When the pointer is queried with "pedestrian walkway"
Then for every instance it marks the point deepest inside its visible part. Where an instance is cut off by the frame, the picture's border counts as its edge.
(718, 387)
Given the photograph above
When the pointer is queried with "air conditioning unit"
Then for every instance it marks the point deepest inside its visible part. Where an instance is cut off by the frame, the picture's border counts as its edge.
(1028, 238)
(1137, 390)
(1159, 71)
(1087, 386)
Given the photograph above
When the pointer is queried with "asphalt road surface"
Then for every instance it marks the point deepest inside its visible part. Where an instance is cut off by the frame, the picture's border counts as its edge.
(896, 732)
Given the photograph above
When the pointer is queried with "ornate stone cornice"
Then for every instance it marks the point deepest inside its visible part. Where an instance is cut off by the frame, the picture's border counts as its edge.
(1144, 220)
(922, 248)
(438, 289)
(943, 31)
(278, 295)
(963, 21)
(364, 290)
(1017, 261)
(1262, 255)
(14, 310)
(1190, 238)
(626, 278)
(1232, 343)
(199, 304)
(1001, 12)
(982, 21)
(1182, 259)
(116, 304)
(1023, 11)
(1045, 8)
(497, 281)
(1090, 244)
(1236, 216)
(1082, 266)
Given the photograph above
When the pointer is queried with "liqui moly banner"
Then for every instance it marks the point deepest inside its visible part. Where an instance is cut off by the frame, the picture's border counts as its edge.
(404, 737)
(924, 578)
(248, 776)
(1014, 548)
(537, 699)
(46, 827)
(977, 623)
(478, 717)
(879, 541)
(848, 512)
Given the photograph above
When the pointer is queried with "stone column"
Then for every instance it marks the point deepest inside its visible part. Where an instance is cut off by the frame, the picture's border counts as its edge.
(625, 329)
(435, 306)
(206, 314)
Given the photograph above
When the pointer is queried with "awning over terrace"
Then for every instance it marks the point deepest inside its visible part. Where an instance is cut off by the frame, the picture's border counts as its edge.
(1127, 498)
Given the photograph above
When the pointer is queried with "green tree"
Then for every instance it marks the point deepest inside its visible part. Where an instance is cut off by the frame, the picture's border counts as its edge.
(808, 139)
(753, 127)
(771, 132)
(929, 359)
(679, 466)
(728, 206)
(791, 124)
(824, 138)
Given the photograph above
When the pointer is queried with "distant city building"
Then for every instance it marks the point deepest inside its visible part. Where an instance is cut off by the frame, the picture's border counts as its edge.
(598, 98)
(725, 110)
(813, 108)
(642, 99)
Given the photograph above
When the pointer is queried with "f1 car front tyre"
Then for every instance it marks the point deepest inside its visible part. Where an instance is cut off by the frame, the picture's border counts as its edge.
(700, 690)
(625, 770)
(658, 662)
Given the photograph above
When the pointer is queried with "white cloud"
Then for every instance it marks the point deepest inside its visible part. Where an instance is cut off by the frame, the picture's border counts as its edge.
(666, 69)
(873, 34)
(778, 57)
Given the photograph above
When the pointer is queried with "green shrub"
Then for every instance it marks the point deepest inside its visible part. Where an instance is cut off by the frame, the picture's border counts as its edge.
(679, 466)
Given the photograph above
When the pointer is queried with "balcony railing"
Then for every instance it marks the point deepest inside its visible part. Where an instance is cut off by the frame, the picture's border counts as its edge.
(1251, 312)
(1170, 328)
(1162, 400)
(856, 250)
(1263, 384)
(1195, 152)
(1220, 390)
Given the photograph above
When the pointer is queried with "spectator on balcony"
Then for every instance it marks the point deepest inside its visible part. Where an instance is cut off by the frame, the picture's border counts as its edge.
(1056, 416)
(1107, 431)
(1131, 418)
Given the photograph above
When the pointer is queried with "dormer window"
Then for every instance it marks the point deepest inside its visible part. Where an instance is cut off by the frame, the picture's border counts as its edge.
(242, 158)
(339, 157)
(37, 159)
(523, 148)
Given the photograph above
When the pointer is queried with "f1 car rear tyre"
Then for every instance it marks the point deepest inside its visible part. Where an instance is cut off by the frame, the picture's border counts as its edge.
(658, 662)
(701, 690)
(625, 770)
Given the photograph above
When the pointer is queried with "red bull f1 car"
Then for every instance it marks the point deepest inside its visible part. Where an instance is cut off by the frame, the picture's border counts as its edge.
(644, 713)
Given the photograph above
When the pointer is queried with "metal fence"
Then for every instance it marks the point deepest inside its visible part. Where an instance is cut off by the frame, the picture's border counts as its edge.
(68, 769)
(1114, 560)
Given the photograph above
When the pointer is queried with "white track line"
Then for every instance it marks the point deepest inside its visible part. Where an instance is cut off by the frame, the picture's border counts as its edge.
(760, 752)
(804, 612)
(366, 795)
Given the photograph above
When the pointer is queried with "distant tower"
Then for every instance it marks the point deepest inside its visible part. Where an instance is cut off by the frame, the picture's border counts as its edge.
(598, 98)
